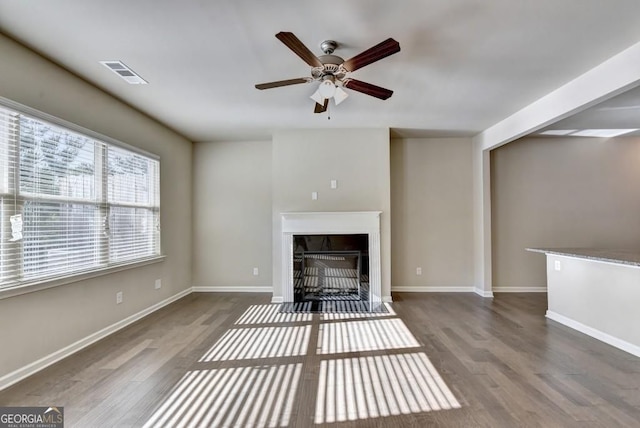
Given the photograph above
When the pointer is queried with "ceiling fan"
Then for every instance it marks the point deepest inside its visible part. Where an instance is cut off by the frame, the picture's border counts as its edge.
(331, 70)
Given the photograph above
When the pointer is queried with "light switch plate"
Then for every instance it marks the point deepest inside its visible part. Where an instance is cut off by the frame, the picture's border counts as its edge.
(314, 196)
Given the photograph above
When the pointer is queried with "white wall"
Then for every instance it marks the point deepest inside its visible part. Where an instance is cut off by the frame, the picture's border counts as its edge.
(561, 192)
(35, 325)
(597, 298)
(432, 224)
(232, 215)
(305, 161)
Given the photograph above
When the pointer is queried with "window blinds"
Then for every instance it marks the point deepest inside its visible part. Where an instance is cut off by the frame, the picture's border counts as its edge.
(70, 203)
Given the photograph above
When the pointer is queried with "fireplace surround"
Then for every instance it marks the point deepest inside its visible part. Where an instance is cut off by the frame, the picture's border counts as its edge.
(332, 223)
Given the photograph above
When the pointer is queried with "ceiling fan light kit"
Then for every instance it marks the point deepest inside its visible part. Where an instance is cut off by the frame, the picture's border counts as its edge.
(331, 70)
(328, 90)
(339, 95)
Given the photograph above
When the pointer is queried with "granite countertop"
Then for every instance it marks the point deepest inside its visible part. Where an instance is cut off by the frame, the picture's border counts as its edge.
(625, 257)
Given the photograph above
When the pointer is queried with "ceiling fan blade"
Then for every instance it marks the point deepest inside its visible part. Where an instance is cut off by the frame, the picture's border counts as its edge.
(319, 108)
(376, 53)
(367, 88)
(279, 83)
(299, 48)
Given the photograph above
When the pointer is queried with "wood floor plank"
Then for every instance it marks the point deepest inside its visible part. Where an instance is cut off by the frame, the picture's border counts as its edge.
(502, 362)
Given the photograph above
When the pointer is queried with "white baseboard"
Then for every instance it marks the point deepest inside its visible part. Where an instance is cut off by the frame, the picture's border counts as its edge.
(432, 289)
(519, 289)
(483, 293)
(387, 299)
(597, 334)
(30, 369)
(233, 289)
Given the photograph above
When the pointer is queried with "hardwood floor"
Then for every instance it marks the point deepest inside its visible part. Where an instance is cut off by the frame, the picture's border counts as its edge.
(435, 360)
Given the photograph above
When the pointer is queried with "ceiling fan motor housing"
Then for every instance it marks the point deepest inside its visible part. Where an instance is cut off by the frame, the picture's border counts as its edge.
(330, 66)
(328, 46)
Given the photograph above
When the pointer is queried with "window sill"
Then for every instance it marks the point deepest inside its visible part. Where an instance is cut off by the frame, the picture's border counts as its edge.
(38, 285)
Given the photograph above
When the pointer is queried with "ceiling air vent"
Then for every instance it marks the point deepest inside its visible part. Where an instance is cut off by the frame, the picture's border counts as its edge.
(125, 72)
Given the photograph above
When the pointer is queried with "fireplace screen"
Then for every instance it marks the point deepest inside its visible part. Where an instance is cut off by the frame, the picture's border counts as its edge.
(331, 267)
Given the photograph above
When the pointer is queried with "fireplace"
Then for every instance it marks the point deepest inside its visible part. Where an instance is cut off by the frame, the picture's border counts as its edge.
(350, 226)
(331, 268)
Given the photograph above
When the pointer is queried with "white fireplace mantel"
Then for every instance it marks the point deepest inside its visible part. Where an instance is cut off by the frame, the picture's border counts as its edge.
(332, 223)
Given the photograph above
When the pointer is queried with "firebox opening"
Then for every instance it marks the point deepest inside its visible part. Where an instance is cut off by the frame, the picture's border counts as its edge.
(331, 268)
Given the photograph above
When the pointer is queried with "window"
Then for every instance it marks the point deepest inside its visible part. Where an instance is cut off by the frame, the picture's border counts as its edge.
(71, 202)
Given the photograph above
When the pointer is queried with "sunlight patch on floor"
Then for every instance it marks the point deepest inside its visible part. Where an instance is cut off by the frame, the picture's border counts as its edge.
(262, 342)
(270, 314)
(369, 335)
(370, 387)
(370, 384)
(259, 396)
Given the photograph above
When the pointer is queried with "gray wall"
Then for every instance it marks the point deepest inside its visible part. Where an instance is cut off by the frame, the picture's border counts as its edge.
(232, 215)
(561, 192)
(305, 161)
(35, 325)
(236, 188)
(432, 226)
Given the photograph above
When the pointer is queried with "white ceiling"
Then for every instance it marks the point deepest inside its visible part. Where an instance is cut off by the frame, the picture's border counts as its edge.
(464, 65)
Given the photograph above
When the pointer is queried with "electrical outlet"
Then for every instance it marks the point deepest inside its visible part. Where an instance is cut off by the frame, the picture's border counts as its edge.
(334, 184)
(158, 284)
(314, 196)
(119, 297)
(418, 271)
(256, 272)
(557, 265)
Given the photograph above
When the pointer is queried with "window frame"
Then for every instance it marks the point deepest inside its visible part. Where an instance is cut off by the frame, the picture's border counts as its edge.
(105, 266)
